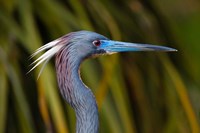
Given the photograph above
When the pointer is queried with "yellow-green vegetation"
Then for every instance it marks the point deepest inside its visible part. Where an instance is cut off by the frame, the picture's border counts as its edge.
(136, 92)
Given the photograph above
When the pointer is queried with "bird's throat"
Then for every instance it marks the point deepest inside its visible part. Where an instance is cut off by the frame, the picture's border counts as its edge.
(76, 93)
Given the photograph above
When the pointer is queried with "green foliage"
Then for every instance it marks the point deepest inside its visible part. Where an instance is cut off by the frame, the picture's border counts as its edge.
(136, 92)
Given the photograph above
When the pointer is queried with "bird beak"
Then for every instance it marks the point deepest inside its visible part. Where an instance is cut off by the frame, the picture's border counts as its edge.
(115, 46)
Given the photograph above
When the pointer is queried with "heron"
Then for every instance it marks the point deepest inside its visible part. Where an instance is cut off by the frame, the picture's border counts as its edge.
(70, 51)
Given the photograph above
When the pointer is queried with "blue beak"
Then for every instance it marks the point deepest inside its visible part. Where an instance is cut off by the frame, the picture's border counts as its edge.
(115, 46)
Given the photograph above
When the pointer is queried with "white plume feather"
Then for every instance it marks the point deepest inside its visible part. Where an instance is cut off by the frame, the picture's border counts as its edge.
(53, 47)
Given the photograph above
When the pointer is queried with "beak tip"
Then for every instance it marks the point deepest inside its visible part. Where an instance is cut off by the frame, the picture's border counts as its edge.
(173, 50)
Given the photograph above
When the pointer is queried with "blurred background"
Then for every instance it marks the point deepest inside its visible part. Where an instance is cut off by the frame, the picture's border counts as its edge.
(136, 92)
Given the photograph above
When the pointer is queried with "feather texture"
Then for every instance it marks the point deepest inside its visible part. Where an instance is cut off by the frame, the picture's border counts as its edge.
(52, 48)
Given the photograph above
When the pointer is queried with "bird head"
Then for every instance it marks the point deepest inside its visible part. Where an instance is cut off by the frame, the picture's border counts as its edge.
(87, 44)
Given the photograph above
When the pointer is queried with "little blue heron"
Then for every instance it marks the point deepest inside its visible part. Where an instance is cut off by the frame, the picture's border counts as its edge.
(70, 50)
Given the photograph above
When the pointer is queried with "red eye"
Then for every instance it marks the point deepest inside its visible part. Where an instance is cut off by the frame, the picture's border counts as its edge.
(96, 43)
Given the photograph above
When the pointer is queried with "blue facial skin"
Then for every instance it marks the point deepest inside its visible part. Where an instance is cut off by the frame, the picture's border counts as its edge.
(115, 46)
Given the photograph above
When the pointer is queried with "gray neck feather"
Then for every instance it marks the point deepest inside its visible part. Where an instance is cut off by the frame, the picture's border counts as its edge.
(75, 92)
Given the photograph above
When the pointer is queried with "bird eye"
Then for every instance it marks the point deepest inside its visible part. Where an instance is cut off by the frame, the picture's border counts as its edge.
(96, 43)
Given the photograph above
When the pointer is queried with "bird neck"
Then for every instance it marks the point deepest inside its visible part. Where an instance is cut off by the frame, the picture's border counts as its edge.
(76, 92)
